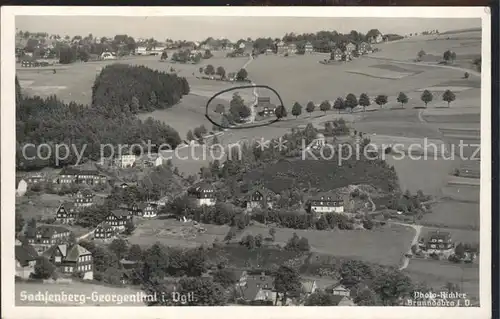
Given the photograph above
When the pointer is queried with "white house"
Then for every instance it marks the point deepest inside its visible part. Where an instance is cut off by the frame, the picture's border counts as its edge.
(204, 194)
(22, 187)
(326, 203)
(108, 56)
(127, 160)
(141, 50)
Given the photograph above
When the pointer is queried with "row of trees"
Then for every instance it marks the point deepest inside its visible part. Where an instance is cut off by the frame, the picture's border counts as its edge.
(351, 102)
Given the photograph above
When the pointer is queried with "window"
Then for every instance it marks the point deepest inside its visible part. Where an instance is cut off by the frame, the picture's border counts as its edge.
(58, 259)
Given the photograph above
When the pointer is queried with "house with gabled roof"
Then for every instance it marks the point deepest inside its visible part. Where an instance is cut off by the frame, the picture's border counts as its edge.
(66, 213)
(118, 218)
(282, 47)
(439, 240)
(258, 287)
(292, 48)
(364, 48)
(308, 47)
(71, 259)
(337, 54)
(260, 197)
(26, 256)
(47, 235)
(350, 47)
(204, 194)
(309, 287)
(84, 198)
(146, 210)
(104, 231)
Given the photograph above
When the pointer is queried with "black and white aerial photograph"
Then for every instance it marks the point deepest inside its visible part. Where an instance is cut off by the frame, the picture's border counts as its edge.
(272, 161)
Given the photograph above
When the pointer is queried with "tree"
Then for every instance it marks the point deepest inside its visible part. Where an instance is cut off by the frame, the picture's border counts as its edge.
(287, 282)
(220, 108)
(242, 75)
(426, 97)
(325, 106)
(272, 233)
(402, 98)
(118, 247)
(19, 222)
(44, 269)
(210, 70)
(310, 107)
(366, 297)
(296, 109)
(230, 235)
(320, 298)
(453, 56)
(259, 240)
(221, 72)
(135, 253)
(449, 97)
(381, 100)
(190, 135)
(129, 227)
(364, 101)
(225, 278)
(134, 105)
(460, 250)
(351, 101)
(280, 112)
(391, 285)
(164, 55)
(201, 69)
(339, 104)
(420, 54)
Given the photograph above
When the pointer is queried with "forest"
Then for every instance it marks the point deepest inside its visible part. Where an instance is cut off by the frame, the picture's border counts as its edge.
(119, 92)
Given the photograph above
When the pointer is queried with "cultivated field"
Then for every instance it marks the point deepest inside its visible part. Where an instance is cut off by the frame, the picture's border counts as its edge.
(171, 232)
(384, 245)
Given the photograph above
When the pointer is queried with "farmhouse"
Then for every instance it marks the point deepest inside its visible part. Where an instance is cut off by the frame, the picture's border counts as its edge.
(259, 287)
(104, 231)
(22, 187)
(265, 107)
(124, 185)
(269, 51)
(125, 161)
(318, 142)
(26, 256)
(118, 218)
(45, 236)
(350, 47)
(309, 286)
(260, 198)
(338, 290)
(204, 194)
(439, 240)
(71, 259)
(292, 48)
(364, 48)
(308, 48)
(337, 54)
(374, 36)
(84, 198)
(146, 210)
(282, 47)
(35, 179)
(66, 213)
(149, 160)
(326, 203)
(346, 56)
(71, 175)
(141, 50)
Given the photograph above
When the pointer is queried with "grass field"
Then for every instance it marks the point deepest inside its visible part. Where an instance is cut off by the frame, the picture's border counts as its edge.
(384, 245)
(454, 214)
(88, 291)
(436, 274)
(44, 205)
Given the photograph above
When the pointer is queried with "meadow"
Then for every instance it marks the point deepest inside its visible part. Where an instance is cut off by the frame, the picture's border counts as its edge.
(453, 215)
(383, 245)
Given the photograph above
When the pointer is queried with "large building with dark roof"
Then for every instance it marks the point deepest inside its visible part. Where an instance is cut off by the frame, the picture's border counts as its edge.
(71, 259)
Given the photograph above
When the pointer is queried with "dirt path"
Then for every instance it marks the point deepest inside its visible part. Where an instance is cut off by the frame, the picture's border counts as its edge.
(471, 72)
(255, 94)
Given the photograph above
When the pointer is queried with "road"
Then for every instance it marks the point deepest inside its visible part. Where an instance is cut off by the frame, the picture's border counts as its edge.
(255, 94)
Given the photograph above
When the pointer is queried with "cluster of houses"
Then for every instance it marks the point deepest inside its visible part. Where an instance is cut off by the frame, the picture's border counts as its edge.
(53, 243)
(255, 287)
(440, 244)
